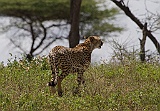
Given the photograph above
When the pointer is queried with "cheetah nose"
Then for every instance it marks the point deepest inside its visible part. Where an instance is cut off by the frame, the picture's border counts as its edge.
(101, 43)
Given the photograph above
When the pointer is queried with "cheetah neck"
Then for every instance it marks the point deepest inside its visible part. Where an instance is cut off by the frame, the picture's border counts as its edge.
(90, 46)
(86, 46)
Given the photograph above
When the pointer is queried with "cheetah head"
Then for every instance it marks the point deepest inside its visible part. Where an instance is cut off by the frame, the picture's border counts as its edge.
(95, 42)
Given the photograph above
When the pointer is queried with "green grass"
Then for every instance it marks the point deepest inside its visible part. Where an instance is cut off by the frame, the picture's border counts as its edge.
(130, 87)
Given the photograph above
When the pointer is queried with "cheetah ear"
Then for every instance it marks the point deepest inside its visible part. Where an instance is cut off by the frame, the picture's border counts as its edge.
(91, 38)
(85, 37)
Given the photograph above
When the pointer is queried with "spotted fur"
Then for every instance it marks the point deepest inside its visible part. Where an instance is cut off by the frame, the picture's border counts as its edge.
(65, 60)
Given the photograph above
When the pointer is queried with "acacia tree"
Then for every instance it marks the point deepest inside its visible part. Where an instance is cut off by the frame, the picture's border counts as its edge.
(35, 25)
(143, 27)
(31, 29)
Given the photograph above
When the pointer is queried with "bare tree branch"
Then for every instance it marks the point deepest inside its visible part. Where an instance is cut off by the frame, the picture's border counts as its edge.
(33, 39)
(17, 46)
(56, 25)
(47, 45)
(43, 38)
(127, 11)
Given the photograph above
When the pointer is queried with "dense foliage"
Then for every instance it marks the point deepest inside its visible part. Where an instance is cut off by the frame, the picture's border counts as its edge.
(38, 23)
(42, 9)
(92, 17)
(130, 86)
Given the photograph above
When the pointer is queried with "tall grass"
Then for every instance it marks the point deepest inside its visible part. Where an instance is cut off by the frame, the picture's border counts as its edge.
(132, 86)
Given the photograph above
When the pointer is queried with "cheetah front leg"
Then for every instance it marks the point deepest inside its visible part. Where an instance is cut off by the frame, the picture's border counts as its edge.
(80, 80)
(53, 82)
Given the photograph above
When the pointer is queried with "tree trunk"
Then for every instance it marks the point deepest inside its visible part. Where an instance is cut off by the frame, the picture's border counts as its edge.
(142, 43)
(74, 36)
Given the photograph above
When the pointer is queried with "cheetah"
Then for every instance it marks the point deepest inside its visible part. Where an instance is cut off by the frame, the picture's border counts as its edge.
(65, 60)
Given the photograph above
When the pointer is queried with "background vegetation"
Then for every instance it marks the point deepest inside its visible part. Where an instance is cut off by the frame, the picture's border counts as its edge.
(127, 86)
(33, 25)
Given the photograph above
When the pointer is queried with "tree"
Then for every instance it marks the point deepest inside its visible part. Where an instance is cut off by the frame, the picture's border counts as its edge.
(74, 36)
(28, 22)
(35, 25)
(142, 26)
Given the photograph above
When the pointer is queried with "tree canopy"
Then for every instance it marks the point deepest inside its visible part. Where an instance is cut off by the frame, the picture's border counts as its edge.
(36, 9)
(92, 19)
(31, 19)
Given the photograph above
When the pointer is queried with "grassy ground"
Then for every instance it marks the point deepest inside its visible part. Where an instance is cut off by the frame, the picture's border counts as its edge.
(132, 86)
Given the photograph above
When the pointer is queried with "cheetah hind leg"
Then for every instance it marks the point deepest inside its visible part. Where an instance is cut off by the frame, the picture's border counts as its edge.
(52, 87)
